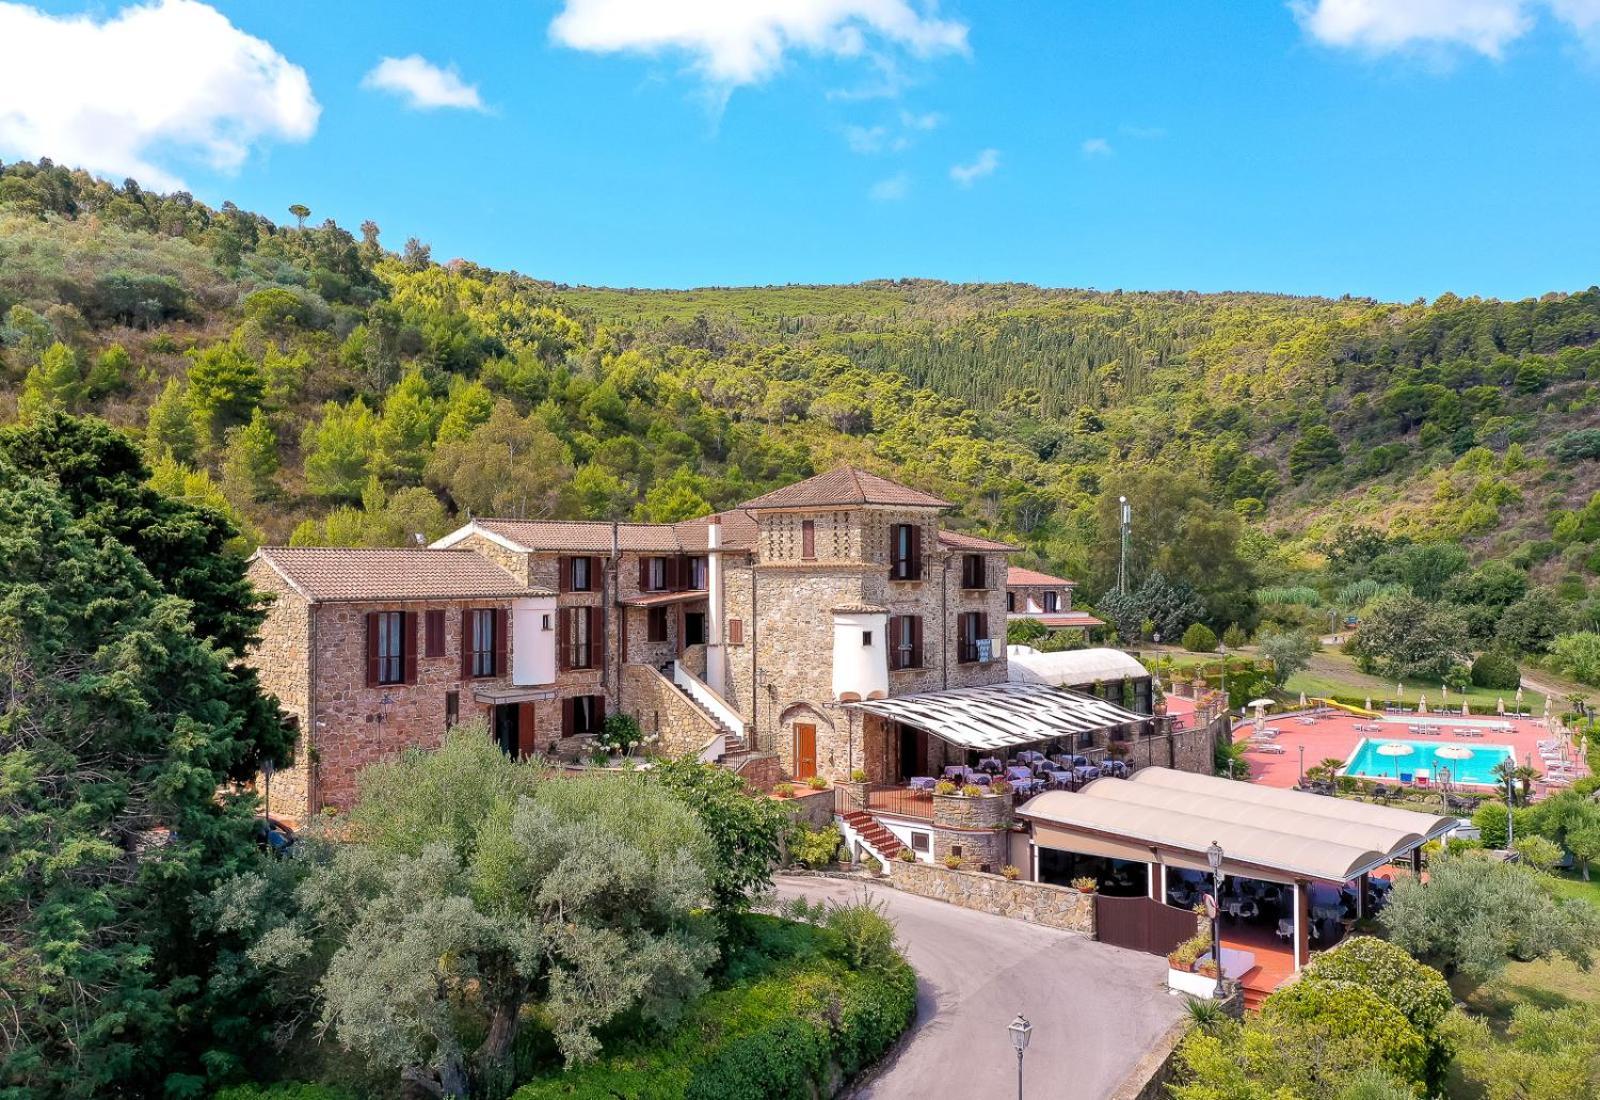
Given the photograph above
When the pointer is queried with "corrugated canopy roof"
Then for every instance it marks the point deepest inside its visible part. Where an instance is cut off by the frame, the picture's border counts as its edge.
(1027, 665)
(1001, 716)
(1180, 814)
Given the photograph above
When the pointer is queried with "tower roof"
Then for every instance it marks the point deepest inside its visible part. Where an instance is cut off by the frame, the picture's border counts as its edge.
(846, 487)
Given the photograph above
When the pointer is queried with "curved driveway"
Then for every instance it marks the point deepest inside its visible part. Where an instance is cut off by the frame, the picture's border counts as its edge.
(1095, 1009)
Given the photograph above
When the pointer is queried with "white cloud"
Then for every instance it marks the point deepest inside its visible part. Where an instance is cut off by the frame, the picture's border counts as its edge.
(423, 85)
(893, 189)
(734, 42)
(1484, 26)
(1145, 133)
(985, 164)
(1096, 147)
(932, 120)
(120, 95)
(866, 139)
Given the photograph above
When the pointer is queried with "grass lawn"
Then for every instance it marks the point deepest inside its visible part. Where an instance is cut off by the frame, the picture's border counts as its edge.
(1572, 886)
(1335, 673)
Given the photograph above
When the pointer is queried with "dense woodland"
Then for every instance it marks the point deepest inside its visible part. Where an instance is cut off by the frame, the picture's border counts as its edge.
(322, 388)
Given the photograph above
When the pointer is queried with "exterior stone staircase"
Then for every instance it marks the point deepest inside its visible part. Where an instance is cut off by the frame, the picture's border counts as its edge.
(717, 712)
(874, 836)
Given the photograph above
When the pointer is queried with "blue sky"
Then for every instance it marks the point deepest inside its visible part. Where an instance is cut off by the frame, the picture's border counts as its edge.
(1394, 148)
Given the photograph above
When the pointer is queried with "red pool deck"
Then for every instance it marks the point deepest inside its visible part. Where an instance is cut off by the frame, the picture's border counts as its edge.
(1334, 734)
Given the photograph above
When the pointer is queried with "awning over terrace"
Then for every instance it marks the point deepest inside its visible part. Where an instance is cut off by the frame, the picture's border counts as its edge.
(1177, 815)
(1001, 716)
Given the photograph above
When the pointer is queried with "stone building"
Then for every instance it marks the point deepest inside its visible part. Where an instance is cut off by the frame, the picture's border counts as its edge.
(1047, 600)
(758, 637)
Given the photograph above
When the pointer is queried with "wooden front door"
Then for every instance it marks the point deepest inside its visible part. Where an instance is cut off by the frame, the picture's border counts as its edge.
(805, 750)
(526, 745)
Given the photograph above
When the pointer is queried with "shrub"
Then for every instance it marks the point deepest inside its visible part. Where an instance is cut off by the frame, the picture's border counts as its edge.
(972, 790)
(858, 776)
(952, 861)
(817, 783)
(284, 1090)
(815, 847)
(1011, 872)
(1496, 670)
(866, 934)
(784, 790)
(1199, 638)
(1348, 1026)
(944, 786)
(1234, 636)
(907, 856)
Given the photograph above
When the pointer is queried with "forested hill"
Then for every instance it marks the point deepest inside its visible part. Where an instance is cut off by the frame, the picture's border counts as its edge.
(324, 388)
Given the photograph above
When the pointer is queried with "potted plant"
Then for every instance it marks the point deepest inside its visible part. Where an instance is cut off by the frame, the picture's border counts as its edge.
(952, 861)
(817, 783)
(1000, 786)
(783, 790)
(1011, 872)
(907, 856)
(944, 786)
(972, 790)
(1085, 885)
(857, 775)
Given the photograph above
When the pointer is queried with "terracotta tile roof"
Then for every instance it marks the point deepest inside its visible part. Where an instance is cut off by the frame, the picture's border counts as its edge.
(859, 609)
(594, 536)
(957, 540)
(738, 531)
(845, 486)
(330, 574)
(1031, 577)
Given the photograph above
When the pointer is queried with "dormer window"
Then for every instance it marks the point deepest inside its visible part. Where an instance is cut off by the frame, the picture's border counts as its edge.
(905, 552)
(972, 572)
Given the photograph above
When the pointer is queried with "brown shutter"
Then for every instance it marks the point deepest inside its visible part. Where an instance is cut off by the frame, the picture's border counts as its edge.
(597, 638)
(408, 647)
(599, 712)
(466, 643)
(372, 649)
(808, 538)
(564, 574)
(501, 621)
(644, 574)
(736, 632)
(916, 641)
(916, 553)
(594, 575)
(567, 720)
(564, 638)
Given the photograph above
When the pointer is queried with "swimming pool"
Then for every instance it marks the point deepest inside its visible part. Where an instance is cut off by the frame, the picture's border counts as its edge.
(1477, 769)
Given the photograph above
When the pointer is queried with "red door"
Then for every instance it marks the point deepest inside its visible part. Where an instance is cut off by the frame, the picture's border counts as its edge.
(526, 745)
(805, 750)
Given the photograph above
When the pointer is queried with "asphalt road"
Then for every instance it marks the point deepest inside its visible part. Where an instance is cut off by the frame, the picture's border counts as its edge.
(1095, 1009)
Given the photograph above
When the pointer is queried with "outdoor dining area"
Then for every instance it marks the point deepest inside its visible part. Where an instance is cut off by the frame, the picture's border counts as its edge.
(1252, 910)
(1027, 773)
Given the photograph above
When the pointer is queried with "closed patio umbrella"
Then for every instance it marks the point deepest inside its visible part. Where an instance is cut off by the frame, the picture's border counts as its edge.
(1519, 698)
(1500, 705)
(1302, 700)
(1369, 702)
(1422, 704)
(1466, 711)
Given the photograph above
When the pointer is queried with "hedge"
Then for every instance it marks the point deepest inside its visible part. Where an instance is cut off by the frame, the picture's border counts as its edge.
(791, 1026)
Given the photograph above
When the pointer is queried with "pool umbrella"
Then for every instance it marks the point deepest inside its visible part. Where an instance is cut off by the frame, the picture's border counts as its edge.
(1395, 748)
(1453, 752)
(1519, 698)
(1261, 704)
(1369, 702)
(1422, 704)
(1302, 700)
(1466, 711)
(1500, 705)
(1444, 694)
(1547, 706)
(1400, 693)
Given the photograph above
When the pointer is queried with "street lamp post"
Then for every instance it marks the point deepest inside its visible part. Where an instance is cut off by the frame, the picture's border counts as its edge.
(1126, 517)
(1020, 1030)
(1214, 857)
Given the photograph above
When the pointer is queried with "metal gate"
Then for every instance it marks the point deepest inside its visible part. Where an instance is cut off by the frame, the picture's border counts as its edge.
(1141, 924)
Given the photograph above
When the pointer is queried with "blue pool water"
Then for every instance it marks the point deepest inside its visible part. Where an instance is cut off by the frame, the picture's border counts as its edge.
(1478, 768)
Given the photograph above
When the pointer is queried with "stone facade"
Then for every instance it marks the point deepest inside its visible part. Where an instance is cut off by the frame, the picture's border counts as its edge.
(974, 830)
(1033, 902)
(282, 663)
(664, 710)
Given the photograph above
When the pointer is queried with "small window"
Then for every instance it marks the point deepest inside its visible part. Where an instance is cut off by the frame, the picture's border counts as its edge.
(1011, 601)
(970, 629)
(452, 709)
(544, 621)
(655, 577)
(582, 574)
(695, 576)
(1052, 601)
(972, 571)
(482, 642)
(866, 638)
(919, 842)
(434, 629)
(905, 642)
(736, 632)
(391, 648)
(808, 539)
(656, 624)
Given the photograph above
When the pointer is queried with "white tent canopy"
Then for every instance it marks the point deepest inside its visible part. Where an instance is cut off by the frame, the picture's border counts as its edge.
(1177, 815)
(1001, 716)
(1071, 667)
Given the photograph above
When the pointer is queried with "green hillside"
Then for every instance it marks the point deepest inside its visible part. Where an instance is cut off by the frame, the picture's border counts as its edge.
(323, 388)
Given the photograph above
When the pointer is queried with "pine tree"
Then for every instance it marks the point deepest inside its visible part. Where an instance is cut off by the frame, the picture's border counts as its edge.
(404, 436)
(55, 382)
(338, 450)
(169, 424)
(251, 464)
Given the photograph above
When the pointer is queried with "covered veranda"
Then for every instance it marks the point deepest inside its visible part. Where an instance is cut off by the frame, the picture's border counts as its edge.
(1034, 737)
(1296, 867)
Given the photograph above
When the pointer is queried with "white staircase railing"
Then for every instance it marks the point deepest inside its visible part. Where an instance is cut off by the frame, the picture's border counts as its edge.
(709, 701)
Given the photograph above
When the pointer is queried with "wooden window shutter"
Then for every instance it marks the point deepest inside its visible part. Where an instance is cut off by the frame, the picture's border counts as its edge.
(501, 622)
(916, 553)
(983, 624)
(808, 538)
(408, 647)
(594, 574)
(644, 574)
(564, 574)
(433, 632)
(567, 720)
(372, 649)
(597, 638)
(599, 712)
(736, 632)
(466, 643)
(916, 641)
(564, 638)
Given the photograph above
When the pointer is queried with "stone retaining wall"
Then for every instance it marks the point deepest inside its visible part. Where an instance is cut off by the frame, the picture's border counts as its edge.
(1149, 1079)
(1033, 902)
(661, 708)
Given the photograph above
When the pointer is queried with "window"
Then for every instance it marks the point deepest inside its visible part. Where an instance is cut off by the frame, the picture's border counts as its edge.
(581, 574)
(694, 628)
(736, 632)
(391, 647)
(866, 638)
(1052, 601)
(582, 715)
(481, 638)
(919, 842)
(544, 621)
(656, 624)
(452, 709)
(808, 539)
(1011, 601)
(972, 571)
(653, 574)
(905, 641)
(697, 573)
(971, 628)
(581, 641)
(434, 632)
(905, 552)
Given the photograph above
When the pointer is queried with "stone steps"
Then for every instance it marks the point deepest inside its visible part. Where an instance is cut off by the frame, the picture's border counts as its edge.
(883, 843)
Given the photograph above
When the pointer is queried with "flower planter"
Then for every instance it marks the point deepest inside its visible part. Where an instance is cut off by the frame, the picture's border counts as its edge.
(1195, 985)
